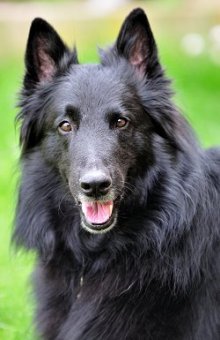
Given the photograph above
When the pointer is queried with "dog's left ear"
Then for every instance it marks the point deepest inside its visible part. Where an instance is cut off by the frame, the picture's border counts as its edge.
(136, 42)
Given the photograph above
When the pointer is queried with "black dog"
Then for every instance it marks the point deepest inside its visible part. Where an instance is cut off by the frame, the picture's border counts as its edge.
(117, 198)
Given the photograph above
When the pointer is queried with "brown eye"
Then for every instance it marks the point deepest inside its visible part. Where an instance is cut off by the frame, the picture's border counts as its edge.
(65, 127)
(121, 123)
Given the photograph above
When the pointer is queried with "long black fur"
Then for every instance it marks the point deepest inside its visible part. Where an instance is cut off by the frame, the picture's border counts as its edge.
(156, 273)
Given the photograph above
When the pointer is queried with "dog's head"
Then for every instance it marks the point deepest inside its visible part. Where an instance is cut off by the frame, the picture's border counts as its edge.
(96, 124)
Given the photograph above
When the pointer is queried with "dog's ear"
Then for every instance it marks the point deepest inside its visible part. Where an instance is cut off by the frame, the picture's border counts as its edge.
(45, 53)
(136, 43)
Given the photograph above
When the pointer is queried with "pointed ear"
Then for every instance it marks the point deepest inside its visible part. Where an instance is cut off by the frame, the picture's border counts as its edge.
(44, 53)
(136, 42)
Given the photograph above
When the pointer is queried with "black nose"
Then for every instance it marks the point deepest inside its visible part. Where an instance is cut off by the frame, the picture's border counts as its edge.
(95, 183)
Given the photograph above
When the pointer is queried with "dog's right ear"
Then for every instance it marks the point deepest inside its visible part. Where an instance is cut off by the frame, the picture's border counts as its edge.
(45, 55)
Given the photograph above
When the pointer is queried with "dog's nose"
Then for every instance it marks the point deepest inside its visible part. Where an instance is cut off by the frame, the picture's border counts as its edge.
(95, 183)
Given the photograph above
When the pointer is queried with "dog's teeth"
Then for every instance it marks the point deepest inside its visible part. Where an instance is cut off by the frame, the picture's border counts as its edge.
(110, 209)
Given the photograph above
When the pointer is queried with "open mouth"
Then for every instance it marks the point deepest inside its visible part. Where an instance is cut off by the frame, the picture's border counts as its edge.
(98, 216)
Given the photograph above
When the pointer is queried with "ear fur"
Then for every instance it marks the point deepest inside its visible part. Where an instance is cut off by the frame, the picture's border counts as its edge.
(44, 53)
(136, 42)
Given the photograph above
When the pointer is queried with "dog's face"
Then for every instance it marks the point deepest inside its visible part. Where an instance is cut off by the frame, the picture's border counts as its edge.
(93, 139)
(91, 121)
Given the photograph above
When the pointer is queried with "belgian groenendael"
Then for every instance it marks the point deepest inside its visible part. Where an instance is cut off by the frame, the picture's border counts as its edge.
(118, 199)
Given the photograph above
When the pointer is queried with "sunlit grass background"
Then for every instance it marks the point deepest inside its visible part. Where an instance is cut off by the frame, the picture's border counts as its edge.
(196, 81)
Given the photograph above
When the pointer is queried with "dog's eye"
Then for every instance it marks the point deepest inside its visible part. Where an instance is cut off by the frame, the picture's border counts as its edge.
(64, 127)
(121, 123)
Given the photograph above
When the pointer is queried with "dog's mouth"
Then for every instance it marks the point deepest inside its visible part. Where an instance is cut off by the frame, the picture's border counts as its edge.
(98, 216)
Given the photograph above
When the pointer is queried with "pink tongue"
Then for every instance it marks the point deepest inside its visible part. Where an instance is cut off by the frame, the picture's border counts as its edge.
(97, 212)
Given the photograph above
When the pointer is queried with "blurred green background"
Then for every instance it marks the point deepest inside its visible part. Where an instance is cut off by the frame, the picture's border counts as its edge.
(188, 36)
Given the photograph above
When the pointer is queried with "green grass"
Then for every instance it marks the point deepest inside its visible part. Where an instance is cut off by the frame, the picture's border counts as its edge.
(15, 306)
(198, 84)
